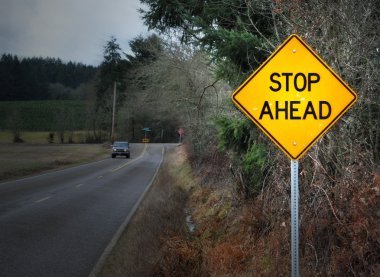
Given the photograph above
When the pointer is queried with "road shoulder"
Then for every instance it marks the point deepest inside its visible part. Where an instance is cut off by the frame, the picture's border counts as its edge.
(138, 246)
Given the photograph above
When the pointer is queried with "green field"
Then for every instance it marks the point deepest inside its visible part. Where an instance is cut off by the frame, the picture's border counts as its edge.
(49, 115)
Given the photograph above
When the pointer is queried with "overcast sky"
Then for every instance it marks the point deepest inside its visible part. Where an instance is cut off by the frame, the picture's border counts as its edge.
(73, 30)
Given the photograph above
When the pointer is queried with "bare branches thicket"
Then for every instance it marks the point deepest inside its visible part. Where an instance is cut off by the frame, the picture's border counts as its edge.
(179, 87)
(340, 175)
(345, 34)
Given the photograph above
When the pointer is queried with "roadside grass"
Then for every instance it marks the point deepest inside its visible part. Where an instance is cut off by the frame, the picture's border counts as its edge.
(234, 236)
(41, 136)
(160, 239)
(142, 248)
(227, 236)
(22, 159)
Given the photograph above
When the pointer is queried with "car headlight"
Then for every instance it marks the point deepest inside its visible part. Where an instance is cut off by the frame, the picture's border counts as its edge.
(113, 149)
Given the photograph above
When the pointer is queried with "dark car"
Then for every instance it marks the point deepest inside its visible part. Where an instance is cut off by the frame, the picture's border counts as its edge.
(120, 148)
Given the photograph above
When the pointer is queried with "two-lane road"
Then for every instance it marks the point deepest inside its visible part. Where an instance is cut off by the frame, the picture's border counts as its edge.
(58, 224)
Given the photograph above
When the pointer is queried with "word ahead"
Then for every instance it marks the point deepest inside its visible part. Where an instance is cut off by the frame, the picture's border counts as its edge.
(294, 97)
(291, 110)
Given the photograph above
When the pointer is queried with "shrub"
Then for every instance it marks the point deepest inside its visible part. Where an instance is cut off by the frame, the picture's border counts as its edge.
(254, 164)
(249, 157)
(233, 133)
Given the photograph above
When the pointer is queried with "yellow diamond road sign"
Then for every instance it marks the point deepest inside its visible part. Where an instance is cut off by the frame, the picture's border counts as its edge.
(294, 97)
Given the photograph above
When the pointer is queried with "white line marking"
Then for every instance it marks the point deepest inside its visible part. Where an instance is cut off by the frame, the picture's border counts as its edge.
(43, 199)
(79, 185)
(99, 177)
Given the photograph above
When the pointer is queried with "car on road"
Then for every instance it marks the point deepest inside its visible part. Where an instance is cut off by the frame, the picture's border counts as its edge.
(120, 148)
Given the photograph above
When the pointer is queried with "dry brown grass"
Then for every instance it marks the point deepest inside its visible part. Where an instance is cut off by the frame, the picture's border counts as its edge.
(339, 227)
(18, 160)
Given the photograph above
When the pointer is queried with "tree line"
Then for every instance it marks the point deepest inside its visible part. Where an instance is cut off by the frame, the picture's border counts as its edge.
(36, 78)
(141, 99)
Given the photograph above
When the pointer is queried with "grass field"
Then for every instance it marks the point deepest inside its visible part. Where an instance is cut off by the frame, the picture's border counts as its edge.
(43, 115)
(18, 160)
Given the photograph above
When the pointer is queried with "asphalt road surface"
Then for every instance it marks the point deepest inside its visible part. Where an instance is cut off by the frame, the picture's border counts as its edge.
(59, 223)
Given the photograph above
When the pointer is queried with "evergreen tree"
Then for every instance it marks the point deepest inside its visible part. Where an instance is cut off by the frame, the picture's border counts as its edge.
(237, 33)
(112, 70)
(30, 78)
(145, 49)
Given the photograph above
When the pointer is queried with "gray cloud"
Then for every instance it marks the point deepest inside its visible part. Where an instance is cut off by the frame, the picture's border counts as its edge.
(69, 29)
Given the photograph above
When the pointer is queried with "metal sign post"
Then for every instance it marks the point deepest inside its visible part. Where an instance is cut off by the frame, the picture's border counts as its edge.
(181, 132)
(294, 216)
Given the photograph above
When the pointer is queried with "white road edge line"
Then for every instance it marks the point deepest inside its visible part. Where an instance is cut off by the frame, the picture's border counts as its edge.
(42, 199)
(107, 251)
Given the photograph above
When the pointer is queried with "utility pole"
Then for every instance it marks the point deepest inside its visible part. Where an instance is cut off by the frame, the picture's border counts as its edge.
(113, 111)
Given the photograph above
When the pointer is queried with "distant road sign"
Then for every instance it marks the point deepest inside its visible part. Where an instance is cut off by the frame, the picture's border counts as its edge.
(294, 97)
(145, 140)
(181, 131)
